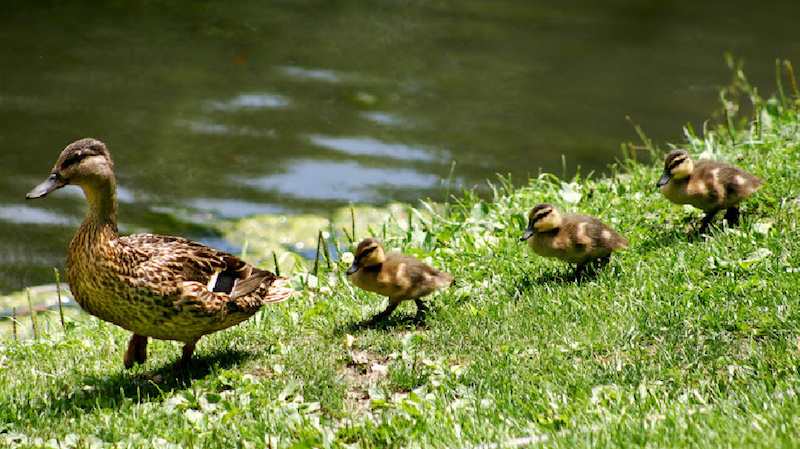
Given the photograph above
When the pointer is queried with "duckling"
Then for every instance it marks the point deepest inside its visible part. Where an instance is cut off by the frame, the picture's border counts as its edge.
(574, 238)
(398, 276)
(163, 287)
(708, 185)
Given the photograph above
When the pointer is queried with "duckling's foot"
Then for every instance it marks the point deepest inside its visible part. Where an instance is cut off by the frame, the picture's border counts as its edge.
(581, 272)
(136, 352)
(422, 310)
(732, 216)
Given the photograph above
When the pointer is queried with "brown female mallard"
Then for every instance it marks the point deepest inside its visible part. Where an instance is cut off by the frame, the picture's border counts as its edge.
(157, 286)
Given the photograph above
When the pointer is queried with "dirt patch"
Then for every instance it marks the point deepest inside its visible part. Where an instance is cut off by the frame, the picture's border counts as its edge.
(364, 369)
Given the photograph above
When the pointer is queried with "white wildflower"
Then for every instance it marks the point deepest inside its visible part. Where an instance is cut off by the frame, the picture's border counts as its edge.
(348, 257)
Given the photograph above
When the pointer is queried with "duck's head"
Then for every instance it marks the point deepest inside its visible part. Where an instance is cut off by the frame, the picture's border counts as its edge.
(542, 218)
(368, 254)
(86, 163)
(677, 165)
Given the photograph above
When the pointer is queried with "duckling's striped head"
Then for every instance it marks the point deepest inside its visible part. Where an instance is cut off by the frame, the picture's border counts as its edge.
(677, 165)
(85, 162)
(542, 218)
(369, 253)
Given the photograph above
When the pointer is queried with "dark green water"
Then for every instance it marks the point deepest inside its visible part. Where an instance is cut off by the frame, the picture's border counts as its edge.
(227, 109)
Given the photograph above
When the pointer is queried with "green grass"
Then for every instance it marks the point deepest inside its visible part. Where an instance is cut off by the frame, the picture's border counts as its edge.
(679, 341)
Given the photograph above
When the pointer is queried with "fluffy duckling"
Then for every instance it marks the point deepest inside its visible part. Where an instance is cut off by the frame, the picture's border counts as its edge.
(156, 286)
(398, 276)
(708, 185)
(574, 238)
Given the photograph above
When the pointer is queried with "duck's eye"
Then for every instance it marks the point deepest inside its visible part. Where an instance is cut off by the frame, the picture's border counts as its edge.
(73, 159)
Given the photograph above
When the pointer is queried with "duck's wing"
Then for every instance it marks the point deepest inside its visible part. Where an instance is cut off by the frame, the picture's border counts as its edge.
(178, 267)
(164, 262)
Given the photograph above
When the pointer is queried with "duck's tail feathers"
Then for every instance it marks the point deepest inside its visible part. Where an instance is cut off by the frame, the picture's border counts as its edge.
(279, 291)
(265, 285)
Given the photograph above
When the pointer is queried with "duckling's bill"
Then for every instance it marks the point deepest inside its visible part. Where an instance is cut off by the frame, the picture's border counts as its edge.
(529, 231)
(663, 180)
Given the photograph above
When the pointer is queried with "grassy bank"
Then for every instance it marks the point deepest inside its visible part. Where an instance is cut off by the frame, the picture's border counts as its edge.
(679, 341)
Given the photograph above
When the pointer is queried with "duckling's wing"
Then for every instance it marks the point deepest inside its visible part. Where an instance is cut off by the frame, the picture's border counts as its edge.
(599, 233)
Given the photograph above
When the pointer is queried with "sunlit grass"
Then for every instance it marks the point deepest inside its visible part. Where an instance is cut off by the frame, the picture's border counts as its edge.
(681, 340)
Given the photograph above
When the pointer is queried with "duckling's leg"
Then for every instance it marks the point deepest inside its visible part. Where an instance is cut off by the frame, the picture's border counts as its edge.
(707, 220)
(580, 271)
(421, 308)
(136, 352)
(732, 216)
(379, 317)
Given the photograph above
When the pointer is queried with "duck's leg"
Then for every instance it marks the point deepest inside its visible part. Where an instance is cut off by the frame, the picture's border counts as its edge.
(136, 352)
(732, 216)
(188, 350)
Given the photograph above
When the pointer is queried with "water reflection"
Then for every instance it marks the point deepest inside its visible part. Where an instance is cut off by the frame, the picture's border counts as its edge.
(306, 74)
(26, 215)
(331, 180)
(250, 101)
(230, 109)
(367, 146)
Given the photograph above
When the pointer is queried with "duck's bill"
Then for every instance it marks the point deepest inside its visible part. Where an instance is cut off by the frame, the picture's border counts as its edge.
(53, 182)
(663, 180)
(526, 235)
(353, 268)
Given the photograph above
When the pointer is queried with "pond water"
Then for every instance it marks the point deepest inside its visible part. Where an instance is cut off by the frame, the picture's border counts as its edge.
(221, 109)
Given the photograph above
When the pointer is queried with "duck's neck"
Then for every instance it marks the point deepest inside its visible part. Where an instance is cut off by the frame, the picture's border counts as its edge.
(102, 215)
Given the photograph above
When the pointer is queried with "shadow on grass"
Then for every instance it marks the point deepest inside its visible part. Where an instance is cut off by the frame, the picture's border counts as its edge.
(395, 321)
(113, 390)
(661, 237)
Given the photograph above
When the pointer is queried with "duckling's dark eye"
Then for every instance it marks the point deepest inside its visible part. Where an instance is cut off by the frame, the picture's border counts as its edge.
(365, 252)
(676, 163)
(540, 215)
